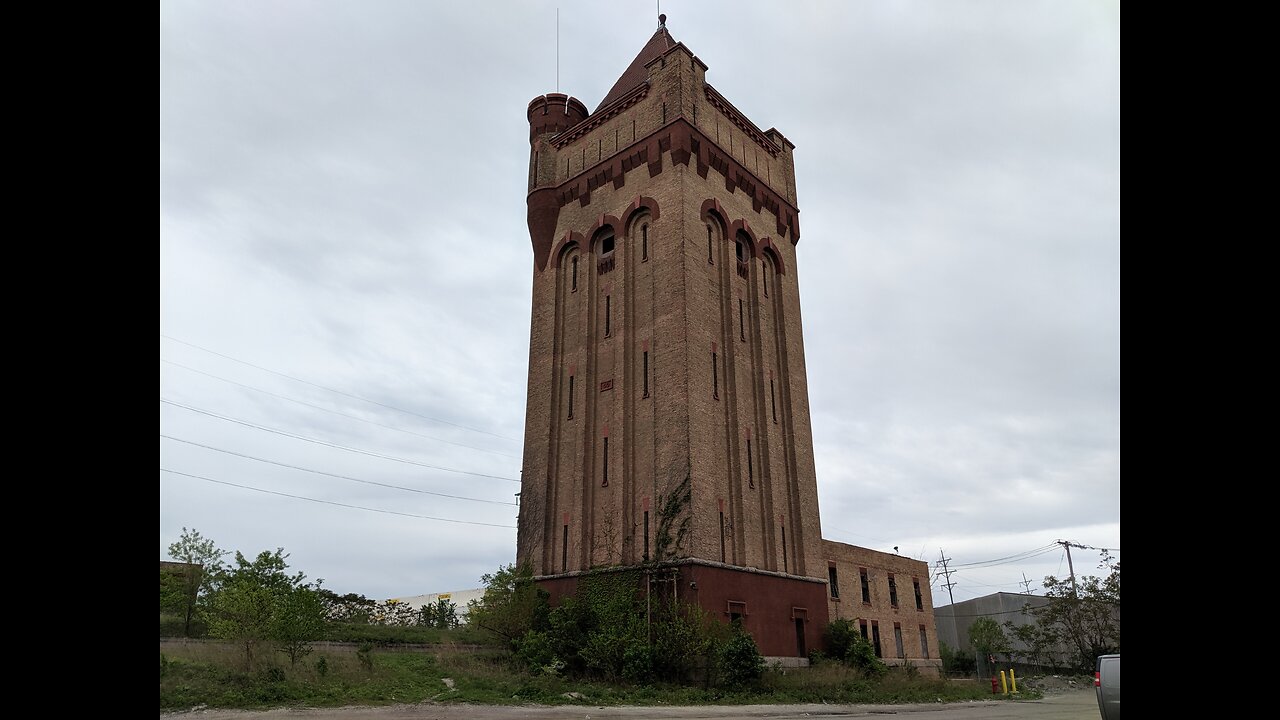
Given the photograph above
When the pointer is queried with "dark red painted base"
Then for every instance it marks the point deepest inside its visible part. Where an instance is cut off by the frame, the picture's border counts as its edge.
(786, 615)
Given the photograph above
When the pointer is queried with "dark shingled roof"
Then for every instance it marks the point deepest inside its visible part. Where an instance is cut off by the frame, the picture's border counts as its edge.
(636, 73)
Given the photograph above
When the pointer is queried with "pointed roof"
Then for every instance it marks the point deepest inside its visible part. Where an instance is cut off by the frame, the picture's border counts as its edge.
(636, 73)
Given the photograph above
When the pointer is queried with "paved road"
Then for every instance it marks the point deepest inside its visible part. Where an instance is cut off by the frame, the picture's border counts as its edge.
(1073, 705)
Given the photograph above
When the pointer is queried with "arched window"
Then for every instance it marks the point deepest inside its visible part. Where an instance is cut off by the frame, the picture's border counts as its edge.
(742, 246)
(603, 243)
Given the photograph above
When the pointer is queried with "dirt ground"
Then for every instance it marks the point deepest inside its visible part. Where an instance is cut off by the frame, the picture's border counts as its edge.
(1051, 684)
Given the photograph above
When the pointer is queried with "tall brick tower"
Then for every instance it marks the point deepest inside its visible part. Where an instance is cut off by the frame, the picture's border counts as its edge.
(666, 352)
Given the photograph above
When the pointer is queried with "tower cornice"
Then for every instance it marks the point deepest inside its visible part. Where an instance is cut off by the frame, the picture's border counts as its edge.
(683, 142)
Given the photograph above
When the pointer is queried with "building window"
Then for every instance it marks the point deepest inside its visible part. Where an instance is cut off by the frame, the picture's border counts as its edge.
(710, 256)
(573, 284)
(646, 536)
(784, 548)
(919, 596)
(893, 591)
(646, 373)
(608, 312)
(604, 243)
(897, 640)
(739, 251)
(866, 585)
(644, 243)
(773, 405)
(737, 612)
(751, 474)
(722, 555)
(570, 397)
(768, 273)
(715, 377)
(742, 326)
(924, 643)
(833, 582)
(605, 464)
(564, 550)
(862, 627)
(875, 638)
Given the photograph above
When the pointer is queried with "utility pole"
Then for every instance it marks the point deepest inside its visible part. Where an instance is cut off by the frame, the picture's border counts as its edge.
(942, 561)
(1070, 567)
(1026, 584)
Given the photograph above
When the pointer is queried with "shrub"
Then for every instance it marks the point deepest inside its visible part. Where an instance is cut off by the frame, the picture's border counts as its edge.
(740, 661)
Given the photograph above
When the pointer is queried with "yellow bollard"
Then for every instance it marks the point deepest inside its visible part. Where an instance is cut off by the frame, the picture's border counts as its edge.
(1013, 681)
(1004, 683)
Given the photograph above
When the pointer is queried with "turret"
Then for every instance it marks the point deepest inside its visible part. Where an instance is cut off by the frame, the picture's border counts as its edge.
(553, 113)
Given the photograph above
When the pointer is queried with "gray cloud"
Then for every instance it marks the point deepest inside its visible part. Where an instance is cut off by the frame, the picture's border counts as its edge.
(342, 203)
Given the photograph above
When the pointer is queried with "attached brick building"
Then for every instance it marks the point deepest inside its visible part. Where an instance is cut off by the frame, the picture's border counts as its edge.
(666, 348)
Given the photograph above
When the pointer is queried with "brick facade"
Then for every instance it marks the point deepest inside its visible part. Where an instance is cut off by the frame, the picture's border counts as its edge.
(896, 598)
(666, 345)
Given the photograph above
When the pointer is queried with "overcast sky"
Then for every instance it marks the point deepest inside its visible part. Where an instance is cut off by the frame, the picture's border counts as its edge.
(345, 269)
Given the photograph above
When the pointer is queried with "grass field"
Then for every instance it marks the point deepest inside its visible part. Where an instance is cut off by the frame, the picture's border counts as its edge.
(214, 675)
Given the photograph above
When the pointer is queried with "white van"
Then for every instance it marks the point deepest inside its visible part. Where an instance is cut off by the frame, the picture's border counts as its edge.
(1106, 679)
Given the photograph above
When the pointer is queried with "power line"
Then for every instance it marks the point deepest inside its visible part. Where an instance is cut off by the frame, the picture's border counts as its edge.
(1017, 557)
(339, 392)
(329, 502)
(333, 445)
(335, 412)
(334, 475)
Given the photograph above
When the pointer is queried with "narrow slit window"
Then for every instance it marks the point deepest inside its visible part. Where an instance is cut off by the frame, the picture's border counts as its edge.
(897, 640)
(646, 536)
(742, 325)
(751, 475)
(710, 257)
(715, 377)
(893, 591)
(604, 465)
(722, 555)
(608, 312)
(564, 550)
(875, 638)
(833, 582)
(862, 628)
(768, 273)
(773, 404)
(571, 396)
(573, 284)
(784, 548)
(919, 596)
(924, 643)
(644, 243)
(646, 373)
(866, 585)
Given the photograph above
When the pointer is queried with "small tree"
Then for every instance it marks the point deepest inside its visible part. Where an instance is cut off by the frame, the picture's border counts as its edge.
(512, 605)
(252, 603)
(444, 614)
(1083, 617)
(988, 639)
(740, 662)
(299, 621)
(184, 590)
(350, 608)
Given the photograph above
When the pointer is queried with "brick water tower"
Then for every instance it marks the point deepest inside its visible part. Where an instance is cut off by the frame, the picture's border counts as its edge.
(668, 408)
